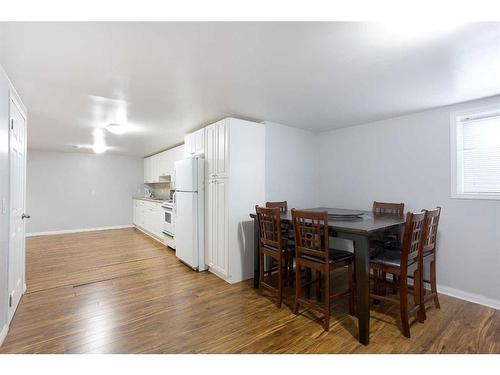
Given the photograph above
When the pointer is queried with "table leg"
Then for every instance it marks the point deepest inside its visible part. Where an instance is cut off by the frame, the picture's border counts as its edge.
(256, 258)
(362, 258)
(362, 264)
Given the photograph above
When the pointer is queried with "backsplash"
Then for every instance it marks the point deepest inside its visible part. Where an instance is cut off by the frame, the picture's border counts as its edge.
(161, 190)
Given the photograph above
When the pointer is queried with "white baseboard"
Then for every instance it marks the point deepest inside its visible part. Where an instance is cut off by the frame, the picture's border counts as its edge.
(471, 297)
(460, 294)
(3, 333)
(76, 230)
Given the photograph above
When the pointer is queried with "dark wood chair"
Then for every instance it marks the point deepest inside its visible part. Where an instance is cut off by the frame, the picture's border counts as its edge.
(283, 206)
(312, 252)
(403, 263)
(286, 232)
(429, 254)
(384, 208)
(272, 245)
(389, 238)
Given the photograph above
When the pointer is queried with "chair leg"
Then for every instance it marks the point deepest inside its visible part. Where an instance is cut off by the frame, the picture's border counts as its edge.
(395, 283)
(376, 287)
(352, 293)
(261, 273)
(383, 277)
(298, 287)
(418, 295)
(280, 281)
(403, 306)
(291, 269)
(308, 278)
(433, 284)
(327, 299)
(285, 269)
(318, 286)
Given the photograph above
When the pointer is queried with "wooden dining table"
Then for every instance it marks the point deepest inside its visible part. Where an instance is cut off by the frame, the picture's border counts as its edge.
(359, 230)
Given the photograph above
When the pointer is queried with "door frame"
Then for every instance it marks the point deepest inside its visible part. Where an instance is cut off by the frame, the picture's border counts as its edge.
(15, 100)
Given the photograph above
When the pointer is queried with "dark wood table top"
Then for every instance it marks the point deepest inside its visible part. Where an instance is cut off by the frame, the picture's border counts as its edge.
(366, 223)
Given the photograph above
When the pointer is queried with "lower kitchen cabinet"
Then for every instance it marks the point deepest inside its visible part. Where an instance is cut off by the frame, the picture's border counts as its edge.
(148, 216)
(217, 225)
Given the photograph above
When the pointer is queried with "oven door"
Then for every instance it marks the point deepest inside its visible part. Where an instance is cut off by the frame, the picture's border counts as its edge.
(168, 221)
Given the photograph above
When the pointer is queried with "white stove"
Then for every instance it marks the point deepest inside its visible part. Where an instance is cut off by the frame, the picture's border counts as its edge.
(169, 223)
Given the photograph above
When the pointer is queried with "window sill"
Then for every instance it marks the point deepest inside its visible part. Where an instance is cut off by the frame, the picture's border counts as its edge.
(486, 196)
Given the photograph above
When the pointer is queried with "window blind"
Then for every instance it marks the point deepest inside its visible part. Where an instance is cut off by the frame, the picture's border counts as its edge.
(481, 155)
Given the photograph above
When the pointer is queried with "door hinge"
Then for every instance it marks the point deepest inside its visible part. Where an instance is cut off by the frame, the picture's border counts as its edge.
(10, 300)
(11, 124)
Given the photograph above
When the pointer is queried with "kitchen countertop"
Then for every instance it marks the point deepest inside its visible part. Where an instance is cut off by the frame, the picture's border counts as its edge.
(150, 199)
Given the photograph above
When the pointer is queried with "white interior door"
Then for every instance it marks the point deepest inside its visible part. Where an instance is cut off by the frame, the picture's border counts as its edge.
(17, 206)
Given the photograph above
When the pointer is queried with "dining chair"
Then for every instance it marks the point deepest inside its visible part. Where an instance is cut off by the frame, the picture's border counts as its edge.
(384, 208)
(429, 254)
(272, 245)
(391, 238)
(312, 252)
(286, 232)
(283, 206)
(402, 263)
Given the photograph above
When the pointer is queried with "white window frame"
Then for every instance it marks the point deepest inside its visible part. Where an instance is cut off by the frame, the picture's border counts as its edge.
(456, 153)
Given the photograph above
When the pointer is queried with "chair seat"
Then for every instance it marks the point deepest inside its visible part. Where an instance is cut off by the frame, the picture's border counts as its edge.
(286, 246)
(388, 258)
(336, 256)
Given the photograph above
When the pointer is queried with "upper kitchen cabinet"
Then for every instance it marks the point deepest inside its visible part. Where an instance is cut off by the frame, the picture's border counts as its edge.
(217, 148)
(194, 143)
(148, 170)
(165, 163)
(160, 167)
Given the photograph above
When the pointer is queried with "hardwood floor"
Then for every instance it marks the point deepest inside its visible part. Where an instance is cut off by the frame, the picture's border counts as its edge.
(121, 292)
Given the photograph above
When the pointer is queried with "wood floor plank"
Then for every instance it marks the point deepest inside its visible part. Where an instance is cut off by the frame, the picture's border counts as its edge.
(119, 291)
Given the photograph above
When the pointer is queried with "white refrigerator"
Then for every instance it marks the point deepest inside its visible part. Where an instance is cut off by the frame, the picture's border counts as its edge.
(190, 212)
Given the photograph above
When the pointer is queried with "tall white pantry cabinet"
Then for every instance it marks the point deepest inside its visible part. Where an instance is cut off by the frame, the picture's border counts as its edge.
(235, 183)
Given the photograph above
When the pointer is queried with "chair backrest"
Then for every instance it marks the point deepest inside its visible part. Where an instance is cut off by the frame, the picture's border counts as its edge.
(283, 206)
(311, 233)
(431, 229)
(269, 223)
(384, 208)
(413, 239)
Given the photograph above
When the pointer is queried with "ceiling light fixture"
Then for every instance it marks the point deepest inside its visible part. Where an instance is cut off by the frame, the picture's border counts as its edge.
(116, 129)
(99, 148)
(99, 145)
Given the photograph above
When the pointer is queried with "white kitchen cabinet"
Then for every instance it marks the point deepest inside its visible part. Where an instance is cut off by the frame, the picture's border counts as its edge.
(165, 164)
(147, 170)
(151, 169)
(235, 157)
(211, 150)
(160, 167)
(148, 216)
(194, 143)
(217, 225)
(217, 149)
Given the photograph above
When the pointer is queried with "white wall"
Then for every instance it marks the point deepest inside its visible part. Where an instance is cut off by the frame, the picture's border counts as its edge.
(291, 160)
(67, 191)
(407, 159)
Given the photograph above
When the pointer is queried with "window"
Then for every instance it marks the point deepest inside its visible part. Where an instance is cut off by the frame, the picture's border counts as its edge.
(475, 147)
